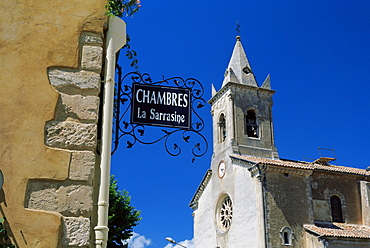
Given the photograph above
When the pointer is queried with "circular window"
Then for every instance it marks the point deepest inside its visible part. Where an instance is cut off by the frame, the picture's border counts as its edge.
(225, 213)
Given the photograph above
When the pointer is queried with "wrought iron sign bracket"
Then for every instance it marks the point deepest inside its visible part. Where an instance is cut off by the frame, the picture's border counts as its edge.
(185, 91)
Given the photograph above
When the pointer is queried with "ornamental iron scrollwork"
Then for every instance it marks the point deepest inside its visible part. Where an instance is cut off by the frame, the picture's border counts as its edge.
(136, 133)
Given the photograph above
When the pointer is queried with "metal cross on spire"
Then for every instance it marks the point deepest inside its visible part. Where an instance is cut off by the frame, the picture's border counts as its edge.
(237, 28)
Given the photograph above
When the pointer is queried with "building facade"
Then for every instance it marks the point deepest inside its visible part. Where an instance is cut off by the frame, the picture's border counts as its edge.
(51, 64)
(252, 198)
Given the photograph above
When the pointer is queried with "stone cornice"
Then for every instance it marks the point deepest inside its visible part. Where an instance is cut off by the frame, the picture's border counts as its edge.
(230, 85)
(278, 169)
(251, 166)
(256, 168)
(242, 163)
(198, 193)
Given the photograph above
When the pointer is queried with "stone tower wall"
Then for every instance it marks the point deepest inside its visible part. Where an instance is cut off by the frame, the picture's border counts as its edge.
(51, 63)
(234, 101)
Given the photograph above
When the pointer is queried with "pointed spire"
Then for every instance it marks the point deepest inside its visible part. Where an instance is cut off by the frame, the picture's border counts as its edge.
(239, 67)
(213, 90)
(230, 77)
(266, 84)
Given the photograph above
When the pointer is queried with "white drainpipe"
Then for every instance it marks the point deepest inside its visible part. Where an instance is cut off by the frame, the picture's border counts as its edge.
(116, 39)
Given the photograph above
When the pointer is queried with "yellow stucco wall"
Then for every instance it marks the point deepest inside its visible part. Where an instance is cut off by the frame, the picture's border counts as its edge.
(35, 35)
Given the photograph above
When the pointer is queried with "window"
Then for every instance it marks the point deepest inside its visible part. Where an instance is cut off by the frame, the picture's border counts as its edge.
(336, 209)
(251, 124)
(286, 236)
(224, 213)
(222, 128)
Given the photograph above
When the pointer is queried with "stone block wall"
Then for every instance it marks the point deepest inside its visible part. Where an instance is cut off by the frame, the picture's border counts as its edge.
(365, 202)
(73, 129)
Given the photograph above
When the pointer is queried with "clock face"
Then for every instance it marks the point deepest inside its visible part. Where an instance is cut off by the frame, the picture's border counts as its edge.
(221, 169)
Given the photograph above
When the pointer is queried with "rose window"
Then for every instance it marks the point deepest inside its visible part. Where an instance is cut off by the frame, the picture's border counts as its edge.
(226, 213)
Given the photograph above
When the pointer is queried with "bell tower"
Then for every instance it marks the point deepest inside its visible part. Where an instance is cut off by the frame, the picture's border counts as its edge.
(242, 112)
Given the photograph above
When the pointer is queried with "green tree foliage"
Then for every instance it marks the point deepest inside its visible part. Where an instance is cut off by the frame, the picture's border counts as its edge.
(4, 239)
(122, 7)
(122, 216)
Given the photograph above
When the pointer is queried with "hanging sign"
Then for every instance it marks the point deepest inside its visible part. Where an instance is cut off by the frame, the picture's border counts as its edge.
(161, 106)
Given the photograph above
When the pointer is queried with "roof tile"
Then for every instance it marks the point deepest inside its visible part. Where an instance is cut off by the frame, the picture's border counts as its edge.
(303, 165)
(339, 230)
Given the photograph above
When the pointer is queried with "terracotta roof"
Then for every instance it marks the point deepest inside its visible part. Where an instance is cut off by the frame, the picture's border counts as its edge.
(302, 165)
(339, 230)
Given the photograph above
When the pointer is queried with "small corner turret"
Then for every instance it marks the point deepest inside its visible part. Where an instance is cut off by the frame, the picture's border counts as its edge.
(242, 111)
(239, 69)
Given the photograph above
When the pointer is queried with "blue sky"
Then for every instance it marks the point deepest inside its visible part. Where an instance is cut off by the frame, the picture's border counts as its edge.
(317, 53)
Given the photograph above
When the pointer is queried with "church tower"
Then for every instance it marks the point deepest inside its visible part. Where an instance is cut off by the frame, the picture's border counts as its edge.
(252, 198)
(228, 205)
(242, 112)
